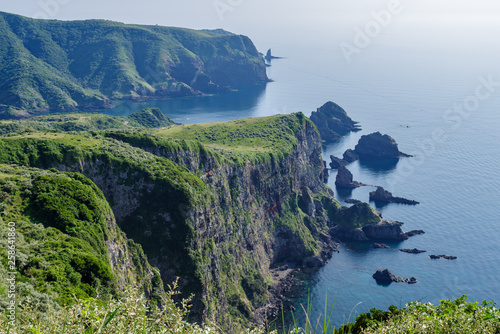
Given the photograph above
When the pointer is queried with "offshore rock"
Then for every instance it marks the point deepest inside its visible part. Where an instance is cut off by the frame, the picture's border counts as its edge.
(382, 195)
(414, 232)
(332, 122)
(447, 257)
(345, 180)
(337, 162)
(386, 277)
(412, 251)
(350, 156)
(376, 145)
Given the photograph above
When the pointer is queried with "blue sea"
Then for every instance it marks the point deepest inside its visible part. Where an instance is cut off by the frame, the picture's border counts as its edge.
(434, 86)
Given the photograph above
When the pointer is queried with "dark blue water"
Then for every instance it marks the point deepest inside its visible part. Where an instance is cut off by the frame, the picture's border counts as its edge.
(403, 84)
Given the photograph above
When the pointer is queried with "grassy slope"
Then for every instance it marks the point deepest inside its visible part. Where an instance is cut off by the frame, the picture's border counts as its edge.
(146, 118)
(57, 65)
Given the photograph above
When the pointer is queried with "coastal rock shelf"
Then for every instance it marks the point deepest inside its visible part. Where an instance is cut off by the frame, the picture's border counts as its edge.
(412, 251)
(447, 257)
(386, 277)
(382, 195)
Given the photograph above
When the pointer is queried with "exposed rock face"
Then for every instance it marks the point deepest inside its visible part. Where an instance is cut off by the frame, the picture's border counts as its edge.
(352, 201)
(345, 179)
(376, 145)
(241, 212)
(447, 257)
(385, 230)
(386, 277)
(332, 122)
(381, 246)
(382, 195)
(412, 251)
(414, 232)
(350, 156)
(337, 162)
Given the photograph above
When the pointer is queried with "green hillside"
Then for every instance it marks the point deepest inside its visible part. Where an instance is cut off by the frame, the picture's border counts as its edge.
(74, 65)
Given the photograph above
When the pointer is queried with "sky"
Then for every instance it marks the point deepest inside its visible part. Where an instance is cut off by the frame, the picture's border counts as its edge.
(262, 20)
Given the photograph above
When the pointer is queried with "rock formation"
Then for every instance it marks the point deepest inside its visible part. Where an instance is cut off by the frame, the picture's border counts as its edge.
(332, 122)
(414, 232)
(382, 195)
(344, 179)
(381, 246)
(352, 201)
(447, 257)
(337, 162)
(376, 145)
(412, 251)
(386, 277)
(350, 156)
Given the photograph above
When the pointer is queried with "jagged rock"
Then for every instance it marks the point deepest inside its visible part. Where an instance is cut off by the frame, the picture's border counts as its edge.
(344, 179)
(414, 232)
(447, 257)
(412, 251)
(382, 195)
(348, 234)
(332, 122)
(385, 230)
(352, 201)
(376, 145)
(386, 277)
(350, 156)
(337, 162)
(382, 246)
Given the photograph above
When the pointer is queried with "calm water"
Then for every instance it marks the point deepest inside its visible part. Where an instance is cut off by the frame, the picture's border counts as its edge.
(402, 84)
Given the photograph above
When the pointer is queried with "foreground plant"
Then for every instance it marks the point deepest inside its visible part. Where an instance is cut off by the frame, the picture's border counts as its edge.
(130, 314)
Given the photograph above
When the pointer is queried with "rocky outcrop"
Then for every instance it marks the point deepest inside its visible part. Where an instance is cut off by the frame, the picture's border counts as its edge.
(412, 251)
(376, 145)
(352, 201)
(382, 195)
(336, 163)
(383, 231)
(380, 246)
(350, 156)
(386, 277)
(344, 179)
(332, 122)
(414, 232)
(447, 257)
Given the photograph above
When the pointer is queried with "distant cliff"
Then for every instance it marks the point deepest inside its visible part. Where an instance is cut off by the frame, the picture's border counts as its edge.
(76, 65)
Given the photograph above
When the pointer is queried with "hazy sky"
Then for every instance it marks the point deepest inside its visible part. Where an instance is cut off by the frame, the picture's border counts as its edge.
(258, 18)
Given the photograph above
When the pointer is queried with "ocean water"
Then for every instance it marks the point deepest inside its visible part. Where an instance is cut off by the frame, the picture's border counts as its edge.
(435, 88)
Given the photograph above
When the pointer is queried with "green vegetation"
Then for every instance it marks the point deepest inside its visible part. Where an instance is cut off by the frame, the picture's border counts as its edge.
(261, 139)
(204, 223)
(62, 225)
(146, 118)
(81, 65)
(356, 216)
(449, 317)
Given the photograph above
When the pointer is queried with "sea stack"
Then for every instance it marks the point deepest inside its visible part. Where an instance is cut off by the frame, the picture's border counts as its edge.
(377, 145)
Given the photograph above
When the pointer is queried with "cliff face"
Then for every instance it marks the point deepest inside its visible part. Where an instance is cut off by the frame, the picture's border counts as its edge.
(219, 217)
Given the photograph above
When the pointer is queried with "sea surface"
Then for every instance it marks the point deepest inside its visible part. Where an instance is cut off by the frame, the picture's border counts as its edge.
(426, 85)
